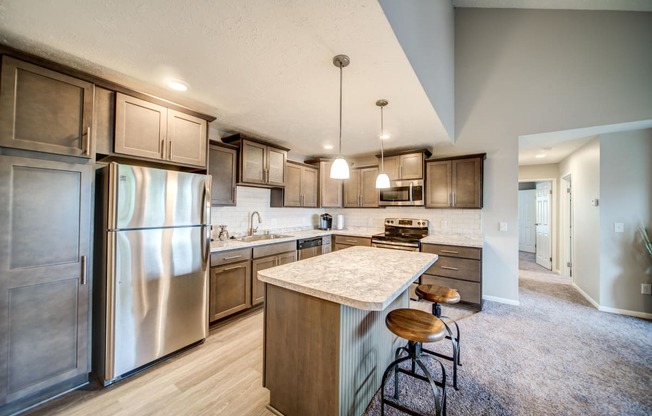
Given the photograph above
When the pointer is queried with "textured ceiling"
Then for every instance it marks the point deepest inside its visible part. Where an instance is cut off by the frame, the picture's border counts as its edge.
(263, 67)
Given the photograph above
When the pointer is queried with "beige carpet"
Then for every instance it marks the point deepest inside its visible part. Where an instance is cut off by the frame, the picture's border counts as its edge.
(553, 355)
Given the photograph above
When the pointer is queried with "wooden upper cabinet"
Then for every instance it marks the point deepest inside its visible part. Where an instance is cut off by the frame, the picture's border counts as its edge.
(329, 193)
(222, 166)
(360, 189)
(405, 166)
(455, 183)
(261, 164)
(300, 187)
(187, 139)
(45, 111)
(148, 130)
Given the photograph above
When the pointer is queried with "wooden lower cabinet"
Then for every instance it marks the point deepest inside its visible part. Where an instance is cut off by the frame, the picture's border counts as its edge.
(230, 289)
(459, 268)
(344, 241)
(258, 287)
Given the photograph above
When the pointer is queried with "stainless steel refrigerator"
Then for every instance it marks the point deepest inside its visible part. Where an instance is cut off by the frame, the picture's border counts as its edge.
(152, 265)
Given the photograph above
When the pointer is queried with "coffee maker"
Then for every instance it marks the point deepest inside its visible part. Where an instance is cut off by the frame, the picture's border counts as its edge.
(325, 222)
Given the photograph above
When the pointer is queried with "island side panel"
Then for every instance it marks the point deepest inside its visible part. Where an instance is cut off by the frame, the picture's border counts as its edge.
(367, 348)
(301, 354)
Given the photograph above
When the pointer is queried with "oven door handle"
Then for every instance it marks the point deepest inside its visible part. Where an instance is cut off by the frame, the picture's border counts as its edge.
(395, 247)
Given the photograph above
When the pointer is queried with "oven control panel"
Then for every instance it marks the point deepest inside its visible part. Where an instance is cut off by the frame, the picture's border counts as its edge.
(406, 222)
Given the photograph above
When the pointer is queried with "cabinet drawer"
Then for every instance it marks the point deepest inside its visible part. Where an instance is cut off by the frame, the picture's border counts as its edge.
(457, 268)
(231, 256)
(355, 241)
(273, 249)
(453, 251)
(469, 291)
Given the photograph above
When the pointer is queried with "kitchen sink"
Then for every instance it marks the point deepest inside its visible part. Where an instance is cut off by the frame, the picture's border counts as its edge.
(261, 237)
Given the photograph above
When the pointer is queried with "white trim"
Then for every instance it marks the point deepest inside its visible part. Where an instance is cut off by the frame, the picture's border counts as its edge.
(502, 300)
(644, 315)
(587, 297)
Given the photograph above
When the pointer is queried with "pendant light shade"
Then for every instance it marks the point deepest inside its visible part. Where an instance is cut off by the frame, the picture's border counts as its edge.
(340, 169)
(382, 181)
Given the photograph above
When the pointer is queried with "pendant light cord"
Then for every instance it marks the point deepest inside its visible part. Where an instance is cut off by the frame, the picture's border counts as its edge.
(382, 153)
(340, 110)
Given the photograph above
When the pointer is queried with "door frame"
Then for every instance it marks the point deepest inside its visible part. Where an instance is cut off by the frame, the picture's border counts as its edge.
(566, 225)
(555, 218)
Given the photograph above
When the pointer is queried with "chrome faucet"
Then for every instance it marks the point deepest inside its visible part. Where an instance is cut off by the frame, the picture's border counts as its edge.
(252, 229)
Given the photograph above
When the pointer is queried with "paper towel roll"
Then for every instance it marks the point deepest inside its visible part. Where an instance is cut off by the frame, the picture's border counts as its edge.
(340, 222)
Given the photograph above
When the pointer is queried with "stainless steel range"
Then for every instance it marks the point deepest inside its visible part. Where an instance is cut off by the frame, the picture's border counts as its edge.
(401, 234)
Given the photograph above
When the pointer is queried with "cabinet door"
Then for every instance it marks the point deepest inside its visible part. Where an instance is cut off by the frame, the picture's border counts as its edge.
(412, 166)
(44, 110)
(286, 258)
(369, 192)
(292, 196)
(45, 220)
(252, 162)
(467, 183)
(392, 167)
(330, 190)
(309, 180)
(140, 128)
(258, 287)
(222, 168)
(438, 184)
(230, 289)
(352, 189)
(187, 140)
(276, 159)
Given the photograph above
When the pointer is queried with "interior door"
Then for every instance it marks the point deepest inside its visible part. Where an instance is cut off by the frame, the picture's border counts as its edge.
(45, 219)
(543, 225)
(527, 220)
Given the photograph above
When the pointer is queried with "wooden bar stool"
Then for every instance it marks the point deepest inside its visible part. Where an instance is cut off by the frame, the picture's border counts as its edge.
(438, 295)
(416, 327)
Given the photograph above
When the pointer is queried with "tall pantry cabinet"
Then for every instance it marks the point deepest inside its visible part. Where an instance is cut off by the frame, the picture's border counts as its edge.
(46, 172)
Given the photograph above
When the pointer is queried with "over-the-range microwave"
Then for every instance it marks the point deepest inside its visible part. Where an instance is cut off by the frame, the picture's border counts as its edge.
(403, 193)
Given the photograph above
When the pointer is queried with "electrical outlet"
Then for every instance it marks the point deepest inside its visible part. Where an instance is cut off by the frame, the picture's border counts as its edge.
(646, 289)
(619, 227)
(502, 226)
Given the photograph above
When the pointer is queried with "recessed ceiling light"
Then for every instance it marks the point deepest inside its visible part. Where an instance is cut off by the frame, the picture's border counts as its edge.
(328, 146)
(178, 85)
(384, 136)
(540, 155)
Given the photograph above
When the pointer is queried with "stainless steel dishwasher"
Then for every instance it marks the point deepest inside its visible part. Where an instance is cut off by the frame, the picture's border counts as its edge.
(309, 247)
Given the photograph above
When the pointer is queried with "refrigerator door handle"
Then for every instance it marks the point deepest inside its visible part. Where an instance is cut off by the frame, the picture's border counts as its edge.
(205, 246)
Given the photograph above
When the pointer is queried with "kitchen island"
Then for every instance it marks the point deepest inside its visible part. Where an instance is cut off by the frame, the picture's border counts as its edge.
(326, 345)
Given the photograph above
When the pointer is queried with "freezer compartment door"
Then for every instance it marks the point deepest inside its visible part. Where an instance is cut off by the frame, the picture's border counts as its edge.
(160, 295)
(151, 198)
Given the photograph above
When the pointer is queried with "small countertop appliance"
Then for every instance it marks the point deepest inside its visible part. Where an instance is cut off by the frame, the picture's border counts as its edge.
(325, 222)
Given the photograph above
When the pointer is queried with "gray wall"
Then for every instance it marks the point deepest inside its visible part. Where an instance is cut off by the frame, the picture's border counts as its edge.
(584, 166)
(521, 72)
(425, 30)
(626, 192)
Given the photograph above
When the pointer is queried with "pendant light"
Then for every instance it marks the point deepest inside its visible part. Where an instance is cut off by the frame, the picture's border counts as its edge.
(340, 169)
(382, 181)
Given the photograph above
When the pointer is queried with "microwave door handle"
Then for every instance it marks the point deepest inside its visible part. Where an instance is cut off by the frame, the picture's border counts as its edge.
(411, 193)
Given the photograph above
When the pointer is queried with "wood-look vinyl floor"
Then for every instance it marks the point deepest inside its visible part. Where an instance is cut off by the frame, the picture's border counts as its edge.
(222, 376)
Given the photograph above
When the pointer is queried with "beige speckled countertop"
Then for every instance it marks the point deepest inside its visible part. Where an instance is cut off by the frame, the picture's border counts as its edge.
(476, 241)
(360, 277)
(294, 235)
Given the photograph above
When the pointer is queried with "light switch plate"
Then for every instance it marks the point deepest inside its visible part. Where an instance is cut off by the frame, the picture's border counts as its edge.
(502, 226)
(619, 227)
(646, 289)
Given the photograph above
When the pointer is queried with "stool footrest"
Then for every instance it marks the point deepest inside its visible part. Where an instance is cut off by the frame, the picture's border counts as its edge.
(419, 376)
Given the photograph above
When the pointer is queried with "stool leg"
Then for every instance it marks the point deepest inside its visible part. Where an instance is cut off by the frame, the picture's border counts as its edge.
(457, 337)
(436, 309)
(392, 367)
(443, 383)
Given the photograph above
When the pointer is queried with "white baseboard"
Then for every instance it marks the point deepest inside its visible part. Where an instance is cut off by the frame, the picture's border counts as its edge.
(644, 315)
(586, 296)
(635, 314)
(502, 300)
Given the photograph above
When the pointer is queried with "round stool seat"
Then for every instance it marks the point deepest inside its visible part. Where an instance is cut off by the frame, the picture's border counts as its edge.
(415, 325)
(438, 294)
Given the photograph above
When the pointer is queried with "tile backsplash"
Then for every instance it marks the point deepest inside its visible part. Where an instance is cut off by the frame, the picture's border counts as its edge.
(446, 221)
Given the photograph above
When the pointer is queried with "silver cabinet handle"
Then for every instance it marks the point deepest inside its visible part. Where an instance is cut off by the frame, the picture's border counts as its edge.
(162, 149)
(450, 251)
(400, 173)
(449, 268)
(86, 146)
(232, 257)
(233, 194)
(454, 199)
(351, 241)
(449, 199)
(240, 266)
(83, 271)
(170, 150)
